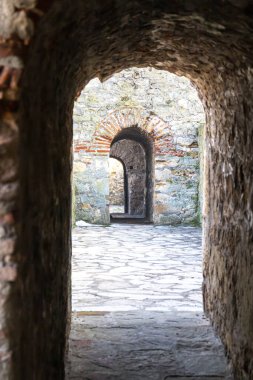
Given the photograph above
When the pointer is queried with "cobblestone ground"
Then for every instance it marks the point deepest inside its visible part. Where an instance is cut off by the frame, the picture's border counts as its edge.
(137, 306)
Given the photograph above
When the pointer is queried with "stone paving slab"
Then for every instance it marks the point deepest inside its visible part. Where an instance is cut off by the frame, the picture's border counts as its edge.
(138, 306)
(136, 267)
(144, 345)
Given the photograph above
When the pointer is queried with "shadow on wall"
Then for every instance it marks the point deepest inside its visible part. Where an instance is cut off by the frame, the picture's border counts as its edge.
(211, 43)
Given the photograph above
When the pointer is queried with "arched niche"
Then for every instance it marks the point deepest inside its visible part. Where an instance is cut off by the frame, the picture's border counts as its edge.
(135, 148)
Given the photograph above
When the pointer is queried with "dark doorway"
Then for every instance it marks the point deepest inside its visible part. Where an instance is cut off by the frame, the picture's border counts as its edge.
(134, 150)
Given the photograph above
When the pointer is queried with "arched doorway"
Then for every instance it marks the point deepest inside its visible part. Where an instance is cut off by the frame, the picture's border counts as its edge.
(132, 154)
(134, 149)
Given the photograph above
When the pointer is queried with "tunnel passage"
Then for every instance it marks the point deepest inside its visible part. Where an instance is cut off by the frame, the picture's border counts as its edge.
(211, 43)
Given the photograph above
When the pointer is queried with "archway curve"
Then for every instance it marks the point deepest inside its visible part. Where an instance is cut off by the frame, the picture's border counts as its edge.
(160, 34)
(121, 121)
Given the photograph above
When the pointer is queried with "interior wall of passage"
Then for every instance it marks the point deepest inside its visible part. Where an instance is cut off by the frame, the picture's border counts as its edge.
(208, 41)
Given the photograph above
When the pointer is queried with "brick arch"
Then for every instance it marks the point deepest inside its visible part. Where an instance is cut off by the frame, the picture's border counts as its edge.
(159, 130)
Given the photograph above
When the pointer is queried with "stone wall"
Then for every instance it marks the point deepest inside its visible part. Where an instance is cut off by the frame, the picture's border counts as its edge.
(91, 184)
(176, 158)
(228, 264)
(209, 42)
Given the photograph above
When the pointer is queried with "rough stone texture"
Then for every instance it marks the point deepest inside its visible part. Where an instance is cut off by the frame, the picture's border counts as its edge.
(228, 280)
(8, 190)
(10, 71)
(137, 267)
(116, 185)
(91, 186)
(210, 42)
(137, 306)
(168, 108)
(144, 345)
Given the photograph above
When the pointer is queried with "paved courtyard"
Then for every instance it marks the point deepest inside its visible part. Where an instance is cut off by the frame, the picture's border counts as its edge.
(137, 306)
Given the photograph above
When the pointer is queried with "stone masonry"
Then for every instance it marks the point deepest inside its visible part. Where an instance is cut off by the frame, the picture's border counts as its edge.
(168, 109)
(57, 48)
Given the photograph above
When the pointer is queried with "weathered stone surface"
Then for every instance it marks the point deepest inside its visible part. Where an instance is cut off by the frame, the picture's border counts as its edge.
(137, 267)
(144, 345)
(138, 306)
(168, 109)
(228, 265)
(209, 42)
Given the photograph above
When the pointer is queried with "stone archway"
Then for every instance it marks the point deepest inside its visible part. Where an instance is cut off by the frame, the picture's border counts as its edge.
(171, 190)
(209, 42)
(138, 180)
